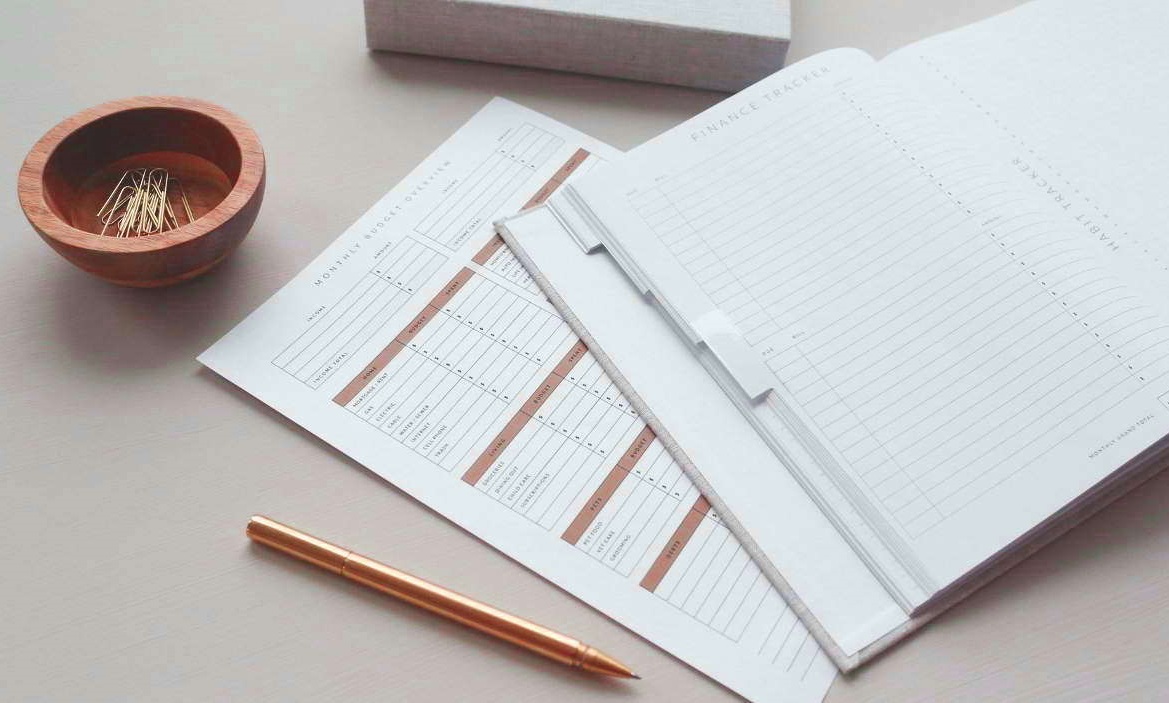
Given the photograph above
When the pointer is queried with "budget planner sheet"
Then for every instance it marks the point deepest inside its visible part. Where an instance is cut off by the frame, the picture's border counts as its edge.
(418, 345)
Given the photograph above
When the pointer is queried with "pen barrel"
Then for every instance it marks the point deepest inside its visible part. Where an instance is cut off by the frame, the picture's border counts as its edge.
(298, 544)
(436, 599)
(468, 611)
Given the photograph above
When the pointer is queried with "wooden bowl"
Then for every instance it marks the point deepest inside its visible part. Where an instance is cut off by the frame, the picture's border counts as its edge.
(69, 173)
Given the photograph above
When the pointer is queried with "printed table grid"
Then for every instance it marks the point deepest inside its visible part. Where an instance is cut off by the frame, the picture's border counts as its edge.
(472, 350)
(778, 264)
(497, 178)
(339, 332)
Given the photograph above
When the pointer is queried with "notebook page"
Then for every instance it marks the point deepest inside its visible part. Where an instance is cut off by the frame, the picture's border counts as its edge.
(419, 346)
(942, 337)
(1095, 142)
(1066, 96)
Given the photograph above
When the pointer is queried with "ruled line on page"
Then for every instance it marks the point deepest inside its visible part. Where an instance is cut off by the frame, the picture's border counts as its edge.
(866, 240)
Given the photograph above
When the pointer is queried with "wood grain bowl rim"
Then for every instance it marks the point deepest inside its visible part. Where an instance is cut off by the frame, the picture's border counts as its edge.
(30, 183)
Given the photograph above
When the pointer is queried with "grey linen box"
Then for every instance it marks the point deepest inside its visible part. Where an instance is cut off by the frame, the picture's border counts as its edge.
(716, 45)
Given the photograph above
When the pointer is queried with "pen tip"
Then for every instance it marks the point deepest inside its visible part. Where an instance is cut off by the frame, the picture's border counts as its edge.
(635, 676)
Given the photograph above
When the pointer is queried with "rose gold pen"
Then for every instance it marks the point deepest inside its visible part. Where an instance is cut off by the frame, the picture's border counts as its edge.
(436, 599)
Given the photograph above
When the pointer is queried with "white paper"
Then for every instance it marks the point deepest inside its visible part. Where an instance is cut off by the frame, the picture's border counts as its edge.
(418, 345)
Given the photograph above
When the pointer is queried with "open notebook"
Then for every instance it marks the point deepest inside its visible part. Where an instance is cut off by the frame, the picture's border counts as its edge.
(904, 321)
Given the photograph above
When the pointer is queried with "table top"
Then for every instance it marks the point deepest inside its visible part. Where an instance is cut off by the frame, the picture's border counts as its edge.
(127, 472)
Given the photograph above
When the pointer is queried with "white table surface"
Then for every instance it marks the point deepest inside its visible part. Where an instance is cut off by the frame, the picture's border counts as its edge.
(127, 472)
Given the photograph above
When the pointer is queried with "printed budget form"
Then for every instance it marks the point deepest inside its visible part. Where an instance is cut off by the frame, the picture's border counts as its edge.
(417, 344)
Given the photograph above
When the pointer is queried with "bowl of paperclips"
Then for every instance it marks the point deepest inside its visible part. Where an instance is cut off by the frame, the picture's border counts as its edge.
(145, 191)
